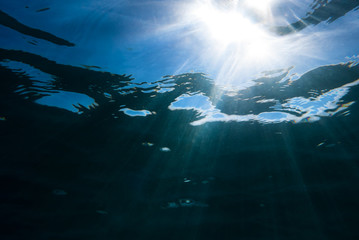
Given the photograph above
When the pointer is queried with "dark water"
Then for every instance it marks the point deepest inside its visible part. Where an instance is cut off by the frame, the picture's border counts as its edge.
(90, 154)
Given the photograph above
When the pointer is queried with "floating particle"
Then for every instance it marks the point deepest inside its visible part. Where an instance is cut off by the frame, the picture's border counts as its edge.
(320, 144)
(205, 182)
(186, 180)
(165, 149)
(186, 202)
(183, 202)
(59, 192)
(147, 144)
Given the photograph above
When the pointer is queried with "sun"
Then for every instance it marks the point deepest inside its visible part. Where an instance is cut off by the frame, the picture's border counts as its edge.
(260, 6)
(228, 26)
(233, 39)
(224, 26)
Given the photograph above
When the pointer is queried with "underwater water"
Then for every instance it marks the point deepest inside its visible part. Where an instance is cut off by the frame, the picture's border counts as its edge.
(179, 119)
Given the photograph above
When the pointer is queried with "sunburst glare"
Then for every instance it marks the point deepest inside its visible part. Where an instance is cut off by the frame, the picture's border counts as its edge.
(261, 6)
(235, 36)
(227, 26)
(236, 42)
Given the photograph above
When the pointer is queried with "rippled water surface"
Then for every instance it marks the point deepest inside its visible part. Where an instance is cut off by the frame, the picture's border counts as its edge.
(205, 119)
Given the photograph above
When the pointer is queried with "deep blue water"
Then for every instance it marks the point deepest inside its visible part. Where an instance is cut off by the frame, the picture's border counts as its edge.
(153, 120)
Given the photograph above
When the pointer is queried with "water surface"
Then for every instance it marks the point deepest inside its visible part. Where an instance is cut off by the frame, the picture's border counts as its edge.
(179, 119)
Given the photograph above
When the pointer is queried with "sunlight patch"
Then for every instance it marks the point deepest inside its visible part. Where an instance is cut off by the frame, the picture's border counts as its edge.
(70, 101)
(135, 113)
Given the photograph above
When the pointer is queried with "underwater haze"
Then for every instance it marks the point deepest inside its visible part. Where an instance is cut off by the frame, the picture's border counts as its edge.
(201, 119)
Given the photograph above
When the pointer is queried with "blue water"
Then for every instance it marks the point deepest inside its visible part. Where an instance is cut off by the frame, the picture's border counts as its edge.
(179, 119)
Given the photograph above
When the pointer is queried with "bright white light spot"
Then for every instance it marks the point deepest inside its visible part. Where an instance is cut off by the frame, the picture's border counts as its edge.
(227, 25)
(165, 149)
(261, 6)
(239, 45)
(235, 40)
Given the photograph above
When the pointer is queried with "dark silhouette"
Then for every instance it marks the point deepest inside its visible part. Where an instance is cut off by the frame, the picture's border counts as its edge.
(8, 21)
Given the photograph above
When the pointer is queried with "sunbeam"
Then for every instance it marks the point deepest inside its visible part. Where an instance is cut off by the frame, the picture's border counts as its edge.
(237, 39)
